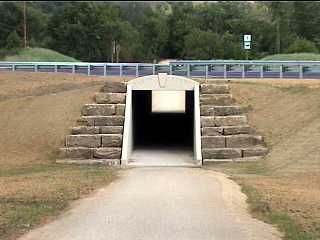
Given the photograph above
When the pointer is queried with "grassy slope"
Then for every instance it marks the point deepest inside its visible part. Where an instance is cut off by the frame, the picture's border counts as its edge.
(284, 188)
(39, 55)
(37, 111)
(294, 57)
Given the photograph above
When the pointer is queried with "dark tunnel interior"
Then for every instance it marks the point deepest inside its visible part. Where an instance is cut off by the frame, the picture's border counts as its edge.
(161, 129)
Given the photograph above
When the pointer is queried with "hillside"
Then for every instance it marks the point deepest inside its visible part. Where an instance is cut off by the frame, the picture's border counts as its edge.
(38, 55)
(294, 57)
(37, 111)
(286, 113)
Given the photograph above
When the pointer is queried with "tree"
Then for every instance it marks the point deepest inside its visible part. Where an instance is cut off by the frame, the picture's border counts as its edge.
(181, 22)
(203, 45)
(13, 41)
(11, 19)
(302, 46)
(155, 34)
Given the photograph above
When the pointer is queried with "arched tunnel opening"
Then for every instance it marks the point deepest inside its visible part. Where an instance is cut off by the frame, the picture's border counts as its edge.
(162, 127)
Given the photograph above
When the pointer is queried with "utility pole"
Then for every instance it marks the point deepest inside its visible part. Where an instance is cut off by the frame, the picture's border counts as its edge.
(25, 24)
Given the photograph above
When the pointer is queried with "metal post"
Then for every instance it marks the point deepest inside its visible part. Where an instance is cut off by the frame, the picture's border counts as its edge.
(121, 70)
(55, 68)
(207, 71)
(105, 70)
(137, 70)
(73, 68)
(89, 70)
(261, 71)
(170, 69)
(281, 71)
(35, 68)
(188, 70)
(153, 69)
(300, 71)
(13, 68)
(225, 71)
(243, 71)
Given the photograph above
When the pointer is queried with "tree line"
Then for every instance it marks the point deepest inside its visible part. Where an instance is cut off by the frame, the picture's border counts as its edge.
(146, 32)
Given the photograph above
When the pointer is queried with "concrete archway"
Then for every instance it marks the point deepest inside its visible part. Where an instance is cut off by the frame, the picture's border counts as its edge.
(160, 106)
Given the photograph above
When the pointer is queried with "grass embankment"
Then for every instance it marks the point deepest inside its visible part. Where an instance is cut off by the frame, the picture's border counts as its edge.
(37, 111)
(294, 57)
(38, 55)
(284, 188)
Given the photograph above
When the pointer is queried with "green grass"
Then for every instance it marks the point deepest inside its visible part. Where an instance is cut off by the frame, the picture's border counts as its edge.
(294, 57)
(38, 55)
(283, 221)
(41, 192)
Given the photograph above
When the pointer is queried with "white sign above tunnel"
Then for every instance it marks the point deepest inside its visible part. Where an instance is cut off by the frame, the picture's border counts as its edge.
(168, 101)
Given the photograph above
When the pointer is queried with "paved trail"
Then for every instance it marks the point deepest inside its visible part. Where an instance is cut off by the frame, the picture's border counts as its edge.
(160, 204)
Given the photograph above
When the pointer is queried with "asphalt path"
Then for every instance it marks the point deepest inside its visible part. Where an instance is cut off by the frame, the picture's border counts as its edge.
(160, 204)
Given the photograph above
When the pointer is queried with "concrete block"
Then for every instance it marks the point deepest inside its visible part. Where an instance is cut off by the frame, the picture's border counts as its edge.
(109, 121)
(101, 121)
(86, 121)
(112, 140)
(223, 153)
(107, 153)
(85, 130)
(212, 131)
(83, 141)
(252, 152)
(99, 110)
(110, 98)
(111, 129)
(75, 152)
(215, 88)
(120, 109)
(114, 87)
(93, 161)
(207, 110)
(213, 142)
(230, 120)
(227, 110)
(216, 99)
(238, 141)
(232, 130)
(208, 121)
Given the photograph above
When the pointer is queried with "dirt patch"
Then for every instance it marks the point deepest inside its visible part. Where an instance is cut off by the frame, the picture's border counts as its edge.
(295, 194)
(37, 111)
(21, 84)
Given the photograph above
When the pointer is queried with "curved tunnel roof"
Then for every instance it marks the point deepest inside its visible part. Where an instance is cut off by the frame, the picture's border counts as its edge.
(162, 82)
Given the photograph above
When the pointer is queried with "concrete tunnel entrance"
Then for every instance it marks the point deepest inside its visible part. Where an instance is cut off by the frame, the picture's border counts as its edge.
(162, 122)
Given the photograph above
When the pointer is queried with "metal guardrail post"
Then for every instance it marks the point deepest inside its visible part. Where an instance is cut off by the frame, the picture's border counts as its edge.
(261, 71)
(13, 68)
(281, 71)
(73, 68)
(243, 71)
(35, 68)
(89, 70)
(105, 70)
(207, 71)
(170, 69)
(300, 71)
(188, 70)
(121, 70)
(137, 70)
(225, 71)
(55, 68)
